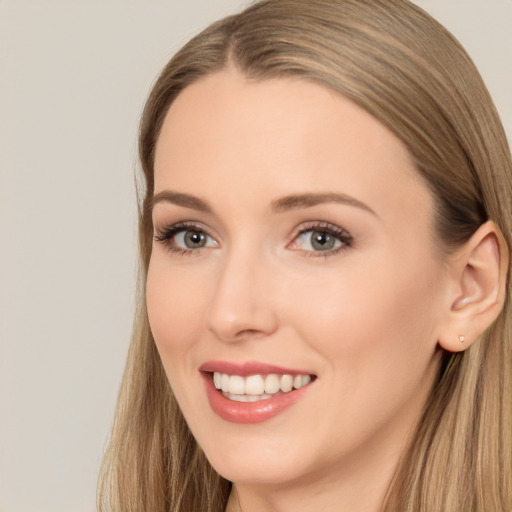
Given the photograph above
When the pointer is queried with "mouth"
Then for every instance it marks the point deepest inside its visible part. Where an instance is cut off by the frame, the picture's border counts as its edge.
(258, 387)
(253, 392)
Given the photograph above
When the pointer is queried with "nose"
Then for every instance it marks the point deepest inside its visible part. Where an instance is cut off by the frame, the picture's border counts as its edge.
(242, 304)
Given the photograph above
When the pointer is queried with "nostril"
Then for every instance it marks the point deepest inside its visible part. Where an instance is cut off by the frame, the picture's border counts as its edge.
(230, 333)
(251, 333)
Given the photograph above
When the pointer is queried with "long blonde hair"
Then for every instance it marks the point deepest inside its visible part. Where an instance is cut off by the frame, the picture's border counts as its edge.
(395, 61)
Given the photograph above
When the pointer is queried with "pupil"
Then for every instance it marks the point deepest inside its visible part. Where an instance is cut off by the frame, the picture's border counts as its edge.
(194, 239)
(322, 241)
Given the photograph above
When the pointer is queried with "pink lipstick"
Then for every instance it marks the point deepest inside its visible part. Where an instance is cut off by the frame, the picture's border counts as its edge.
(252, 392)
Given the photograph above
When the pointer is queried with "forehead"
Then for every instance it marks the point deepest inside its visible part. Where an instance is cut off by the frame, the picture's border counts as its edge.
(281, 136)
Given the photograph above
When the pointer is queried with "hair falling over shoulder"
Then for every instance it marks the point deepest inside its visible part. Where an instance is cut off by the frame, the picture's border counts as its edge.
(395, 61)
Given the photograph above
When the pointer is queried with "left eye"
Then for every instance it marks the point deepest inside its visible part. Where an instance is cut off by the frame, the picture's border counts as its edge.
(317, 241)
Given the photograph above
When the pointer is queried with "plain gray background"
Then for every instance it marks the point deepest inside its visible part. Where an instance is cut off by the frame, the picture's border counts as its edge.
(73, 78)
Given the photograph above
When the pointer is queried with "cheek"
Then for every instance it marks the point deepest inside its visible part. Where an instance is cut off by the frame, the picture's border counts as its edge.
(175, 307)
(373, 334)
(379, 320)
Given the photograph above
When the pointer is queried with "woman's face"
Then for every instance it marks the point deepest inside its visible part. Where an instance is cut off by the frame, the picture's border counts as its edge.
(293, 244)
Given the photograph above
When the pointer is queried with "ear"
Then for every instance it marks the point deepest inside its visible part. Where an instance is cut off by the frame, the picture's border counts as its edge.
(478, 273)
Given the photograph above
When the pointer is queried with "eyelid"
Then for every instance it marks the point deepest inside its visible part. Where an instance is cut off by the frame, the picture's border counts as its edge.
(339, 233)
(166, 233)
(166, 236)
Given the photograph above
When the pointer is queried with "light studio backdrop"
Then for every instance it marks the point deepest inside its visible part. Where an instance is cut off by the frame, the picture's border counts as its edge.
(73, 78)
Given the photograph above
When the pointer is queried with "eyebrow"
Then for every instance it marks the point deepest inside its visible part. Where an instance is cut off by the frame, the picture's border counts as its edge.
(298, 201)
(179, 199)
(284, 204)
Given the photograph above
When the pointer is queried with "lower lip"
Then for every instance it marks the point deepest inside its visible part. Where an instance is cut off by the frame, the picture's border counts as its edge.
(249, 412)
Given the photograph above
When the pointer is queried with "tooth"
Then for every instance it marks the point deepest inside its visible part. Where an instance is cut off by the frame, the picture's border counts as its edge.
(246, 398)
(258, 387)
(271, 384)
(225, 382)
(236, 385)
(286, 383)
(237, 397)
(254, 385)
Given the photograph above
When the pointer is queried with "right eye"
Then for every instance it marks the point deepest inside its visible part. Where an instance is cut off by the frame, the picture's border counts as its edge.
(184, 239)
(191, 239)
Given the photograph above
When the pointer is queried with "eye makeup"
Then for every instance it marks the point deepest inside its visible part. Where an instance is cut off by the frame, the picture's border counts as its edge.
(321, 239)
(316, 238)
(184, 238)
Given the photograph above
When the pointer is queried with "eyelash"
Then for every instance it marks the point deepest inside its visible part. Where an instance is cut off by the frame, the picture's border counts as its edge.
(166, 235)
(341, 235)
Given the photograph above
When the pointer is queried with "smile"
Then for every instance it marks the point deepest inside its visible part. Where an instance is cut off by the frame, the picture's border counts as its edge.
(253, 392)
(253, 388)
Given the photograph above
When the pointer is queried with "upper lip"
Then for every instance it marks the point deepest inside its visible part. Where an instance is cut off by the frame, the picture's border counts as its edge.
(249, 368)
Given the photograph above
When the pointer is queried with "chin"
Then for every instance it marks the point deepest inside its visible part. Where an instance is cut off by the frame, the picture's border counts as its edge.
(260, 472)
(251, 462)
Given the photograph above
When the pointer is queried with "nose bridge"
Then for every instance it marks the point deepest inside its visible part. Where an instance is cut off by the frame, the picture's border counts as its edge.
(241, 304)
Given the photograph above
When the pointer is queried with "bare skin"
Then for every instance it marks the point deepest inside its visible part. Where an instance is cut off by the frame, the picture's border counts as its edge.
(361, 308)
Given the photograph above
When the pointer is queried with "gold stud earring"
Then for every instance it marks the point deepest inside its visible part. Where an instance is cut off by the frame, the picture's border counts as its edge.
(461, 339)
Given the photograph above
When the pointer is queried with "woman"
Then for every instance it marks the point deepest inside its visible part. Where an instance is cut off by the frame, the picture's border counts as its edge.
(324, 317)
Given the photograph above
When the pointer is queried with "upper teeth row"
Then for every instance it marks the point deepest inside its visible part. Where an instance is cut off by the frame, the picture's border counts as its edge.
(258, 384)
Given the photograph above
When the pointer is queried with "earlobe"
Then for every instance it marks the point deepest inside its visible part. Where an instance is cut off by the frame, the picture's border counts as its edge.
(479, 269)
